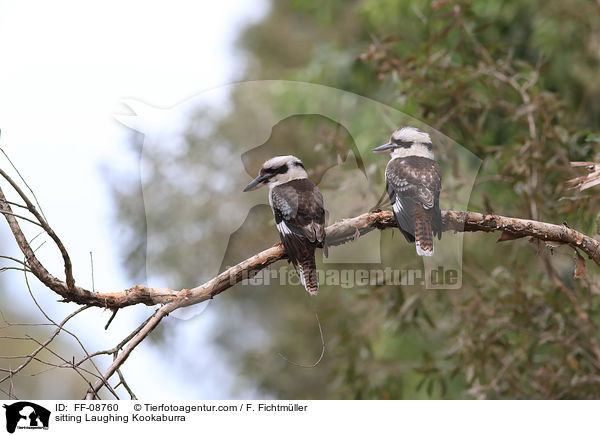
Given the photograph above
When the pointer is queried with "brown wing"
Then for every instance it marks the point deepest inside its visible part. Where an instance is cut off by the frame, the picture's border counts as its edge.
(300, 217)
(414, 182)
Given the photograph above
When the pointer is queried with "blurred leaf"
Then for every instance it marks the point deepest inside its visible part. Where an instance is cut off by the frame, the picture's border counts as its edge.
(593, 137)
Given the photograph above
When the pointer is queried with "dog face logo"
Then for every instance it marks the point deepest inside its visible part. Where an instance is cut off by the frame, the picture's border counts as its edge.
(26, 415)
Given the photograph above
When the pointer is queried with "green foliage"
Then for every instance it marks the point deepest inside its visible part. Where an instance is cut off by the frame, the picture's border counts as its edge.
(514, 82)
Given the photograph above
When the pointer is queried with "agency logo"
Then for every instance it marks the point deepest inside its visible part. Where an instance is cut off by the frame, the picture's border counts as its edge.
(26, 415)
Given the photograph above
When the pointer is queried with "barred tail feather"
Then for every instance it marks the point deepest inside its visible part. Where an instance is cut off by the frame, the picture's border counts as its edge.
(423, 235)
(307, 269)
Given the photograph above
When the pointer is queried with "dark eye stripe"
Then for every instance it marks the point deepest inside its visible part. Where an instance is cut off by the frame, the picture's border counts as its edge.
(272, 171)
(400, 143)
(407, 144)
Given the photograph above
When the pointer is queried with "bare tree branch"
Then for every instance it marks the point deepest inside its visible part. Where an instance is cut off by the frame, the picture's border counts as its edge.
(341, 232)
(122, 357)
(589, 180)
(5, 208)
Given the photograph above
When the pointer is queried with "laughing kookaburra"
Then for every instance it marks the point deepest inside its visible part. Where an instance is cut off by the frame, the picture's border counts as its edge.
(299, 214)
(413, 182)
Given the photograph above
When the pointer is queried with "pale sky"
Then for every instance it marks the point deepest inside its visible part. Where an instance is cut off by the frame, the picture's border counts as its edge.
(64, 68)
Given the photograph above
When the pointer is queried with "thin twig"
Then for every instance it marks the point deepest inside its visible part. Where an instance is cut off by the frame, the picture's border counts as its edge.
(110, 320)
(313, 365)
(125, 385)
(24, 182)
(31, 356)
(20, 217)
(92, 268)
(66, 331)
(121, 344)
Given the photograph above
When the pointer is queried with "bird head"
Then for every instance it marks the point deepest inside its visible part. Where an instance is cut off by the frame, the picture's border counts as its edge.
(407, 141)
(278, 170)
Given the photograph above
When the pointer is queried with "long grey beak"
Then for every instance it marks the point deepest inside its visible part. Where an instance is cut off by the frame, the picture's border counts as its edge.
(384, 148)
(255, 184)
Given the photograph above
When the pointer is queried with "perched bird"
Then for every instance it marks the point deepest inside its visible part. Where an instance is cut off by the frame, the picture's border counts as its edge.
(413, 182)
(299, 214)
